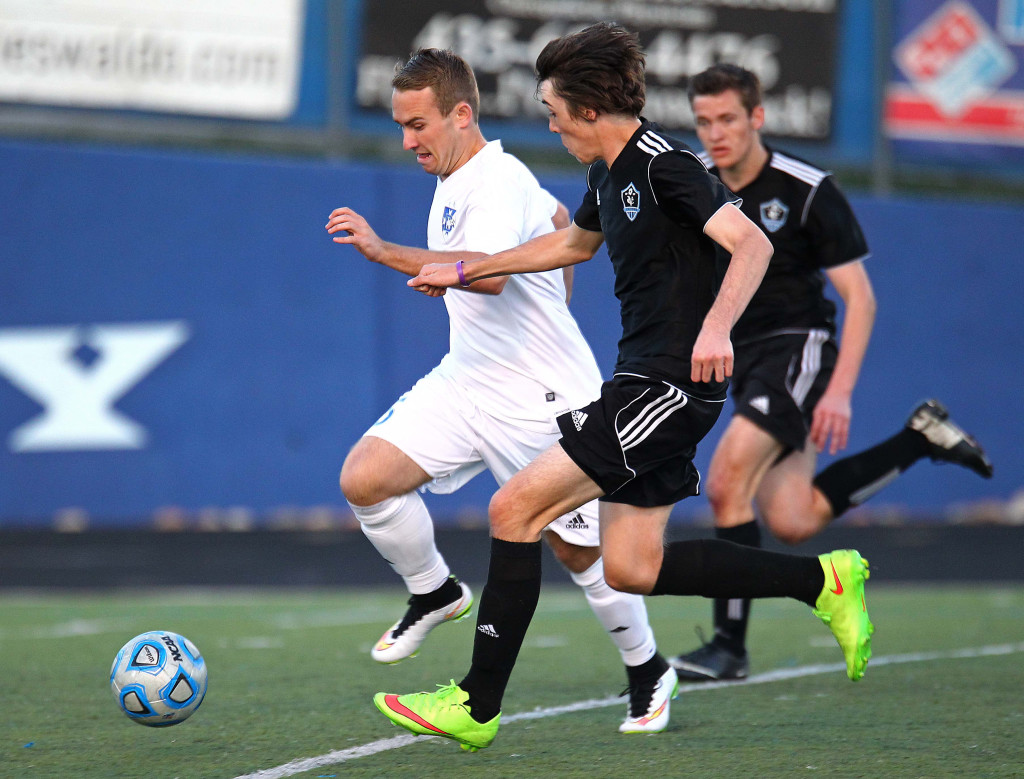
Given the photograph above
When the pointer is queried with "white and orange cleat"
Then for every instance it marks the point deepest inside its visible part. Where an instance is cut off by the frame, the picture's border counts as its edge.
(403, 639)
(649, 704)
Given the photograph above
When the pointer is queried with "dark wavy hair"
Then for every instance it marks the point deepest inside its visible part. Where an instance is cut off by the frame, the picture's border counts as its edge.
(601, 67)
(446, 73)
(723, 77)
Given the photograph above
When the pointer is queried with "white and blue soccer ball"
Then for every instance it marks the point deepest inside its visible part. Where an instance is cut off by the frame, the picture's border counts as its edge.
(158, 678)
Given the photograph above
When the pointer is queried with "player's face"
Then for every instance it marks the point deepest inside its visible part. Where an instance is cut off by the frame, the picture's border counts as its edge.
(578, 135)
(729, 134)
(434, 138)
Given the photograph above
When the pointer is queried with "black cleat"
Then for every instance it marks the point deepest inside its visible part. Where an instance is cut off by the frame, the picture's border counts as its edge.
(711, 663)
(946, 441)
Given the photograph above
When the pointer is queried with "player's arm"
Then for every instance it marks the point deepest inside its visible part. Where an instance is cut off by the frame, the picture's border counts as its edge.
(834, 410)
(349, 227)
(559, 249)
(561, 220)
(751, 251)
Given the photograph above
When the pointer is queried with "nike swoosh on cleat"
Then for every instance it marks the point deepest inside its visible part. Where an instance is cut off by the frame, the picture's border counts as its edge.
(391, 701)
(839, 585)
(653, 715)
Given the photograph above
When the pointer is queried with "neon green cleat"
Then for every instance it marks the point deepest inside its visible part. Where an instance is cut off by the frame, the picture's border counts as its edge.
(442, 713)
(842, 607)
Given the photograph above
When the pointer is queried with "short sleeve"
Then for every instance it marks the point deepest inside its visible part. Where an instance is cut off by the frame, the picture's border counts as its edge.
(686, 192)
(588, 216)
(834, 231)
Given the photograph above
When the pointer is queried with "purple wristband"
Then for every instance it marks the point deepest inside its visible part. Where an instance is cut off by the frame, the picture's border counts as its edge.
(462, 276)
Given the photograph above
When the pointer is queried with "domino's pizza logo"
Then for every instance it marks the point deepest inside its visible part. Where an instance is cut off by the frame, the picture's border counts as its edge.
(773, 214)
(631, 201)
(448, 220)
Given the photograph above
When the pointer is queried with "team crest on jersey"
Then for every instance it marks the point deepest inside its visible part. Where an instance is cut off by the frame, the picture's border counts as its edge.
(631, 201)
(448, 220)
(773, 214)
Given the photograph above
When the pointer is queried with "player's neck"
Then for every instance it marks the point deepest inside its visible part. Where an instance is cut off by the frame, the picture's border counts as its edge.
(475, 143)
(615, 134)
(747, 169)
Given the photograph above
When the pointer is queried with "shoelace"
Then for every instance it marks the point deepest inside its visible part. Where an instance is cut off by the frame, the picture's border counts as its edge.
(639, 702)
(445, 691)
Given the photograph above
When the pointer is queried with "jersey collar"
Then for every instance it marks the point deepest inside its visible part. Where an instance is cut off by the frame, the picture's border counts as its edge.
(631, 151)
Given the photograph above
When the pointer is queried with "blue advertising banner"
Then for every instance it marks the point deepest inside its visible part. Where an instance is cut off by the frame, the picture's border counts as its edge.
(958, 88)
(179, 335)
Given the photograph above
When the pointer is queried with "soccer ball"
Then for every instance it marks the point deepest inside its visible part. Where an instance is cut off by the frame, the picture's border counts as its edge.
(158, 678)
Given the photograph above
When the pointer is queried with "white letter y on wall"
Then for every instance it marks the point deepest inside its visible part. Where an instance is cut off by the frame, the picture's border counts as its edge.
(78, 397)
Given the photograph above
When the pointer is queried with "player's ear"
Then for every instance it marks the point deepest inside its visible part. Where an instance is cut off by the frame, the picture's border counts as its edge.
(757, 117)
(463, 115)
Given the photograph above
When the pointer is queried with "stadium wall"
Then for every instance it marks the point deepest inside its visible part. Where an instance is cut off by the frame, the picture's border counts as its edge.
(181, 342)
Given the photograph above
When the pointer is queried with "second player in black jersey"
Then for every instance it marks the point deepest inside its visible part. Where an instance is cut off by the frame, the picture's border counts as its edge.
(661, 214)
(793, 383)
(812, 229)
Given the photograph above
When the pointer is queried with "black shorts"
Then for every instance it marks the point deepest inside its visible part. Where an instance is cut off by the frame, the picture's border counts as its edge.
(638, 440)
(777, 382)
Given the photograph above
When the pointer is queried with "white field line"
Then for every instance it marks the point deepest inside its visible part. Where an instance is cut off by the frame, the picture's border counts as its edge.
(384, 745)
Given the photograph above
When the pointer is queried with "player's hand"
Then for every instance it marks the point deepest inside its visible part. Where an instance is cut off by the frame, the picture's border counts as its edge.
(434, 278)
(349, 227)
(712, 356)
(432, 292)
(831, 419)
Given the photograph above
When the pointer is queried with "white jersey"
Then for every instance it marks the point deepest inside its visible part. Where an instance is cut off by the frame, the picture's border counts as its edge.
(520, 354)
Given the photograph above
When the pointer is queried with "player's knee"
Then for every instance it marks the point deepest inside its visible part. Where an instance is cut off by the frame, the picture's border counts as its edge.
(512, 518)
(721, 494)
(501, 512)
(360, 485)
(635, 579)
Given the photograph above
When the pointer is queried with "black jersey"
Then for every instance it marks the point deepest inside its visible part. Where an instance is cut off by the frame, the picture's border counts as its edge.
(812, 227)
(652, 206)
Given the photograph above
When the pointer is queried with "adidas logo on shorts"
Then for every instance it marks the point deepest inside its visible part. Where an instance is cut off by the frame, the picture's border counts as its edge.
(578, 418)
(760, 403)
(577, 523)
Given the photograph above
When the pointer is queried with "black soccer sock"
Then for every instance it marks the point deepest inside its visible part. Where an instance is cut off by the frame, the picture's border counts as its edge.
(448, 592)
(506, 607)
(733, 614)
(648, 672)
(852, 480)
(722, 569)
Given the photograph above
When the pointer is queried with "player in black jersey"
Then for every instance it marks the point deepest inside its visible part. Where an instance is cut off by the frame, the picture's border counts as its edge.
(792, 385)
(662, 215)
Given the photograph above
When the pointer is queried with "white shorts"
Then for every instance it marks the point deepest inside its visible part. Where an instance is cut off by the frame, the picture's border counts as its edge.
(438, 425)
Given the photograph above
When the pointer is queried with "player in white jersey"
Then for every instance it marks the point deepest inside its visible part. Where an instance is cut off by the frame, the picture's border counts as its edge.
(517, 359)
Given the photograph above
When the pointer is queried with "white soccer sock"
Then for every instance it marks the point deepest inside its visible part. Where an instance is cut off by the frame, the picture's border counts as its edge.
(623, 615)
(401, 529)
